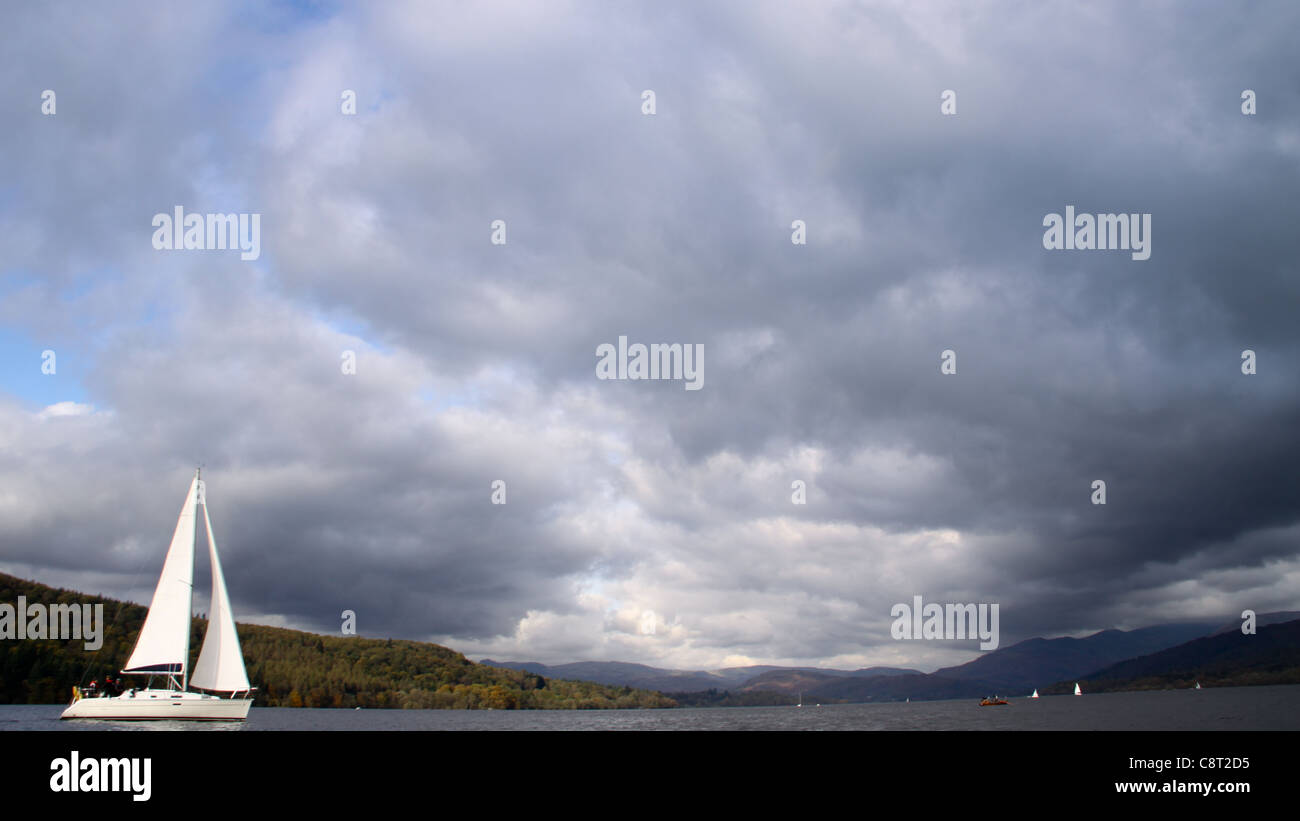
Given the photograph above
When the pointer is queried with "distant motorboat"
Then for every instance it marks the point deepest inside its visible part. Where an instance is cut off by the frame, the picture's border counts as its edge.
(1035, 693)
(993, 702)
(1077, 691)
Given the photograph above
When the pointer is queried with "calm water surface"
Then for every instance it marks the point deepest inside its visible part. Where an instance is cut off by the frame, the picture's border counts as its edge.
(1227, 708)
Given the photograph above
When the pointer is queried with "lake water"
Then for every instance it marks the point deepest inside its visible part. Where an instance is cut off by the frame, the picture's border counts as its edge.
(1227, 708)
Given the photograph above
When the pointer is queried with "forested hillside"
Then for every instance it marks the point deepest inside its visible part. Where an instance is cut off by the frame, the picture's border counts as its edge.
(291, 668)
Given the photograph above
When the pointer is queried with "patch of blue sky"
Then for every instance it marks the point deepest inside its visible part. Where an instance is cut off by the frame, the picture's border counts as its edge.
(14, 280)
(147, 311)
(442, 402)
(88, 281)
(22, 376)
(353, 326)
(284, 16)
(8, 196)
(377, 103)
(298, 12)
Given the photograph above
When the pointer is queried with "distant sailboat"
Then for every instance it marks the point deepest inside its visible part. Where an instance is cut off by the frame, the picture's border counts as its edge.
(1077, 691)
(1035, 693)
(163, 646)
(1198, 685)
(800, 704)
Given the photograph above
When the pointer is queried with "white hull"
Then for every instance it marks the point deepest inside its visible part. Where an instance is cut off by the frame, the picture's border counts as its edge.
(160, 705)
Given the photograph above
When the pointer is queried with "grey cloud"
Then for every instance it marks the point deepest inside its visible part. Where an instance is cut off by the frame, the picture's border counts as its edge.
(822, 361)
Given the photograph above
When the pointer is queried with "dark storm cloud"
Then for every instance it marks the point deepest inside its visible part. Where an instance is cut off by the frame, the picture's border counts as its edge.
(822, 361)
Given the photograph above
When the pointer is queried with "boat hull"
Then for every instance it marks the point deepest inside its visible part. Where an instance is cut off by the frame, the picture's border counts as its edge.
(160, 705)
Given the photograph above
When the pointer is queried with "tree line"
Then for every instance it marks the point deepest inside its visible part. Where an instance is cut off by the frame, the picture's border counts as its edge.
(291, 668)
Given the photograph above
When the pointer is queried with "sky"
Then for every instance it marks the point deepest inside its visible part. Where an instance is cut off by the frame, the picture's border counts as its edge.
(476, 361)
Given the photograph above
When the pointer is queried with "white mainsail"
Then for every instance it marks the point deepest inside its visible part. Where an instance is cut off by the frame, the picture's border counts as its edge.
(164, 643)
(221, 665)
(1077, 691)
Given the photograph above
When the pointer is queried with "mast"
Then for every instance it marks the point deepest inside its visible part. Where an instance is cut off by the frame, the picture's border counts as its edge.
(189, 607)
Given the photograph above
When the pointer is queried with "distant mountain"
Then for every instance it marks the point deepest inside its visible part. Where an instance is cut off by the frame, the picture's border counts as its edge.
(1023, 666)
(624, 674)
(1270, 656)
(794, 680)
(1261, 620)
(1027, 665)
(1035, 662)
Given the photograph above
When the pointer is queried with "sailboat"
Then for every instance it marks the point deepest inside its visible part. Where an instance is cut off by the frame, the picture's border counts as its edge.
(1035, 693)
(163, 646)
(1077, 691)
(1198, 685)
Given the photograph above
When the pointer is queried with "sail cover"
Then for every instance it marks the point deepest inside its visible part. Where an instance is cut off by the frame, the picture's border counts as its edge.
(220, 666)
(164, 642)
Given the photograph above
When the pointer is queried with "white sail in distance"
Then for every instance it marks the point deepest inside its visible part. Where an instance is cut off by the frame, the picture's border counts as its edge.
(221, 664)
(163, 646)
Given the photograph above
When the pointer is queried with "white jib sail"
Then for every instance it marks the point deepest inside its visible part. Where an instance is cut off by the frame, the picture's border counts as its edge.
(164, 642)
(221, 665)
